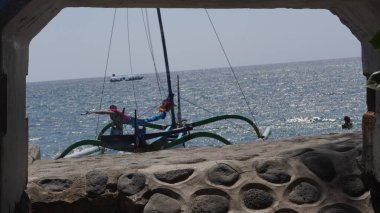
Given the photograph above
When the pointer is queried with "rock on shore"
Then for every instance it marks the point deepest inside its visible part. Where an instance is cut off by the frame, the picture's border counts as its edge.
(319, 174)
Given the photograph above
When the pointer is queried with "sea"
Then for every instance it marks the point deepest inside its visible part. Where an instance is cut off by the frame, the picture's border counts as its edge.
(294, 99)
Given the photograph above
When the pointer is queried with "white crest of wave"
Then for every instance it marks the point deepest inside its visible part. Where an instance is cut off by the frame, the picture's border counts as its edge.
(309, 120)
(35, 139)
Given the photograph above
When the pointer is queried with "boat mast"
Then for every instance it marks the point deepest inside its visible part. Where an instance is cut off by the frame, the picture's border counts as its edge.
(171, 95)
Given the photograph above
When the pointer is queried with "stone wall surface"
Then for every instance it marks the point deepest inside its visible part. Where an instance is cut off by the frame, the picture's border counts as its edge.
(319, 174)
(34, 153)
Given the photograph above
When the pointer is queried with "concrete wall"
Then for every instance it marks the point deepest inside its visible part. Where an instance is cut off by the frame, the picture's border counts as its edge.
(21, 20)
(13, 128)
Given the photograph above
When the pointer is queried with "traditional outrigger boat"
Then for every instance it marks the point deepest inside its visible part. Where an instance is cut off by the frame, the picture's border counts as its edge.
(165, 136)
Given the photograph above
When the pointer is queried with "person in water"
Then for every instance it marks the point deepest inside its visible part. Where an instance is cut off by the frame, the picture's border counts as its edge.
(347, 123)
(119, 118)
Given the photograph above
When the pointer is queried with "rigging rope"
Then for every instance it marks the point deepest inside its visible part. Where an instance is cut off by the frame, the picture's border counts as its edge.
(148, 110)
(149, 39)
(232, 69)
(105, 70)
(130, 60)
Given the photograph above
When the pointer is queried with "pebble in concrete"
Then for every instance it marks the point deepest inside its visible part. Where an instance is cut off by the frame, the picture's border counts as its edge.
(210, 203)
(174, 176)
(96, 182)
(303, 192)
(131, 183)
(160, 203)
(353, 186)
(223, 174)
(257, 196)
(137, 165)
(55, 184)
(273, 171)
(320, 165)
(285, 211)
(338, 208)
(188, 161)
(343, 147)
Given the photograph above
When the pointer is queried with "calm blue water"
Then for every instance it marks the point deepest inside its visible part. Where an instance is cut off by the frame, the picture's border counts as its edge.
(295, 99)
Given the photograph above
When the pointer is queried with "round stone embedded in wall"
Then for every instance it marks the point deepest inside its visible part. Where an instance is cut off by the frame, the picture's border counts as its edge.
(338, 208)
(137, 165)
(320, 165)
(131, 183)
(274, 171)
(285, 211)
(174, 176)
(303, 191)
(223, 174)
(343, 147)
(96, 182)
(353, 186)
(257, 196)
(210, 203)
(55, 184)
(160, 203)
(188, 160)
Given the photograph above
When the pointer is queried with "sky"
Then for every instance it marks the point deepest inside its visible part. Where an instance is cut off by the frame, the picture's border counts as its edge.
(75, 43)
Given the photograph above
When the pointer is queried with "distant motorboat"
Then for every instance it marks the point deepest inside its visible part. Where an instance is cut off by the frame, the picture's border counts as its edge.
(118, 78)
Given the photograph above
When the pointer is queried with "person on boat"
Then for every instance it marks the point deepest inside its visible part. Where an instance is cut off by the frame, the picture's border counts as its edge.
(347, 123)
(165, 106)
(119, 118)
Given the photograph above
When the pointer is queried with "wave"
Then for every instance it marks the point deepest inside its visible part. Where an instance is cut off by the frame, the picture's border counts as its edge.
(35, 139)
(309, 120)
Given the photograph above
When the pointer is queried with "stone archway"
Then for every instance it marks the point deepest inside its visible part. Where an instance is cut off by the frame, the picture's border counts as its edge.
(21, 20)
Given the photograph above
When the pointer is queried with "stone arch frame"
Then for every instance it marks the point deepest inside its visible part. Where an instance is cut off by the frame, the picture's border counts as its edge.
(21, 20)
